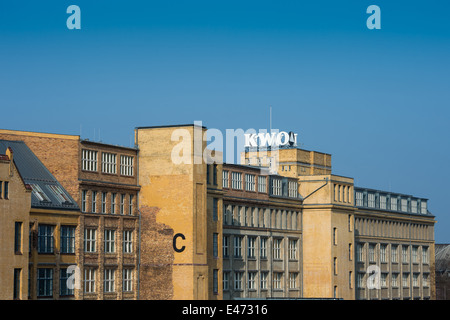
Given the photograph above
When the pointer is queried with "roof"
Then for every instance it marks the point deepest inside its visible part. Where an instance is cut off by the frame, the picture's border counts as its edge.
(442, 257)
(47, 191)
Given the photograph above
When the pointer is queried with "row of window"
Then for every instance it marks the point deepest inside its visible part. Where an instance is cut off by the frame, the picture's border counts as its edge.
(107, 202)
(394, 281)
(4, 190)
(89, 162)
(390, 202)
(381, 252)
(260, 217)
(109, 241)
(342, 193)
(261, 245)
(249, 183)
(254, 278)
(393, 229)
(45, 281)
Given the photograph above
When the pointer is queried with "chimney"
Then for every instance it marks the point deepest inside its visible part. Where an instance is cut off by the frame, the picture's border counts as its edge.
(10, 155)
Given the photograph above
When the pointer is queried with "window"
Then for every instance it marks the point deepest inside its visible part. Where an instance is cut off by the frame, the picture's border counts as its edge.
(225, 182)
(113, 202)
(335, 266)
(126, 165)
(110, 241)
(383, 279)
(262, 184)
(39, 193)
(94, 201)
(215, 281)
(109, 283)
(127, 241)
(45, 238)
(277, 283)
(383, 202)
(90, 240)
(425, 280)
(293, 280)
(215, 174)
(371, 253)
(293, 249)
(59, 193)
(64, 290)
(18, 237)
(122, 203)
(415, 256)
(109, 161)
(404, 205)
(83, 200)
(89, 280)
(68, 239)
(44, 282)
(335, 236)
(16, 292)
(236, 180)
(394, 204)
(350, 252)
(359, 199)
(238, 247)
(371, 200)
(383, 256)
(251, 247)
(215, 245)
(394, 280)
(414, 206)
(425, 255)
(250, 182)
(127, 280)
(405, 280)
(225, 215)
(251, 280)
(225, 280)
(215, 209)
(104, 202)
(276, 187)
(359, 252)
(226, 246)
(359, 280)
(277, 248)
(6, 190)
(263, 280)
(416, 279)
(238, 280)
(293, 189)
(263, 248)
(130, 204)
(404, 254)
(423, 207)
(394, 253)
(89, 160)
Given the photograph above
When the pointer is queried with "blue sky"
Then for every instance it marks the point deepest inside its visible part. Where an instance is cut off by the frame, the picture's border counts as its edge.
(377, 100)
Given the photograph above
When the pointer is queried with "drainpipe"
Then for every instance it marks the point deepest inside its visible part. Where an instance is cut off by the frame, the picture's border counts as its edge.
(140, 214)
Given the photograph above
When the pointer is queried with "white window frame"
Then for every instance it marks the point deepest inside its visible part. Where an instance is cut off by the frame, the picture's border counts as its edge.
(127, 241)
(109, 163)
(249, 182)
(89, 160)
(110, 241)
(90, 240)
(109, 280)
(127, 165)
(262, 184)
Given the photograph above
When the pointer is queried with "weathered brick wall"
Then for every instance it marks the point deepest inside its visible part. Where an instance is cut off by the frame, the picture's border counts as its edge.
(157, 256)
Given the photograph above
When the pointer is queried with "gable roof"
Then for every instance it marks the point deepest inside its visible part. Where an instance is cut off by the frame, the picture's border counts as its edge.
(47, 191)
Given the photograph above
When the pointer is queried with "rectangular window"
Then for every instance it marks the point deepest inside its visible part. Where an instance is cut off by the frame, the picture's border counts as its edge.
(425, 280)
(130, 204)
(237, 246)
(94, 201)
(293, 189)
(263, 280)
(359, 199)
(359, 252)
(262, 184)
(215, 174)
(371, 200)
(383, 280)
(226, 280)
(415, 256)
(215, 209)
(63, 288)
(277, 283)
(293, 249)
(127, 280)
(113, 202)
(423, 207)
(249, 182)
(6, 190)
(109, 163)
(226, 246)
(276, 187)
(236, 180)
(16, 283)
(104, 202)
(394, 253)
(277, 248)
(39, 193)
(89, 280)
(252, 280)
(225, 182)
(44, 282)
(405, 254)
(404, 205)
(59, 194)
(371, 253)
(425, 255)
(383, 255)
(122, 204)
(394, 280)
(109, 280)
(215, 281)
(45, 239)
(110, 236)
(215, 245)
(394, 204)
(263, 248)
(405, 280)
(359, 280)
(68, 239)
(126, 165)
(335, 236)
(293, 280)
(414, 206)
(416, 279)
(89, 160)
(127, 241)
(238, 280)
(383, 202)
(251, 247)
(18, 237)
(90, 240)
(83, 200)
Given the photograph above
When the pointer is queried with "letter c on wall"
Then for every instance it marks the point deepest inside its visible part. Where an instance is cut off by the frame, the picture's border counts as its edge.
(175, 237)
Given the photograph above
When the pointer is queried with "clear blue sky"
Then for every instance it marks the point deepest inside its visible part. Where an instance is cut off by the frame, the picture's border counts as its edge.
(377, 100)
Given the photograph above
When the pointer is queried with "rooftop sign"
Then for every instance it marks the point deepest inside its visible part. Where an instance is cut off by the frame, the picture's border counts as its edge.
(274, 139)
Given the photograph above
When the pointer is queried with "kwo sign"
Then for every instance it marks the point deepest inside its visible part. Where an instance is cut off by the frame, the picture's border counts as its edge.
(274, 139)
